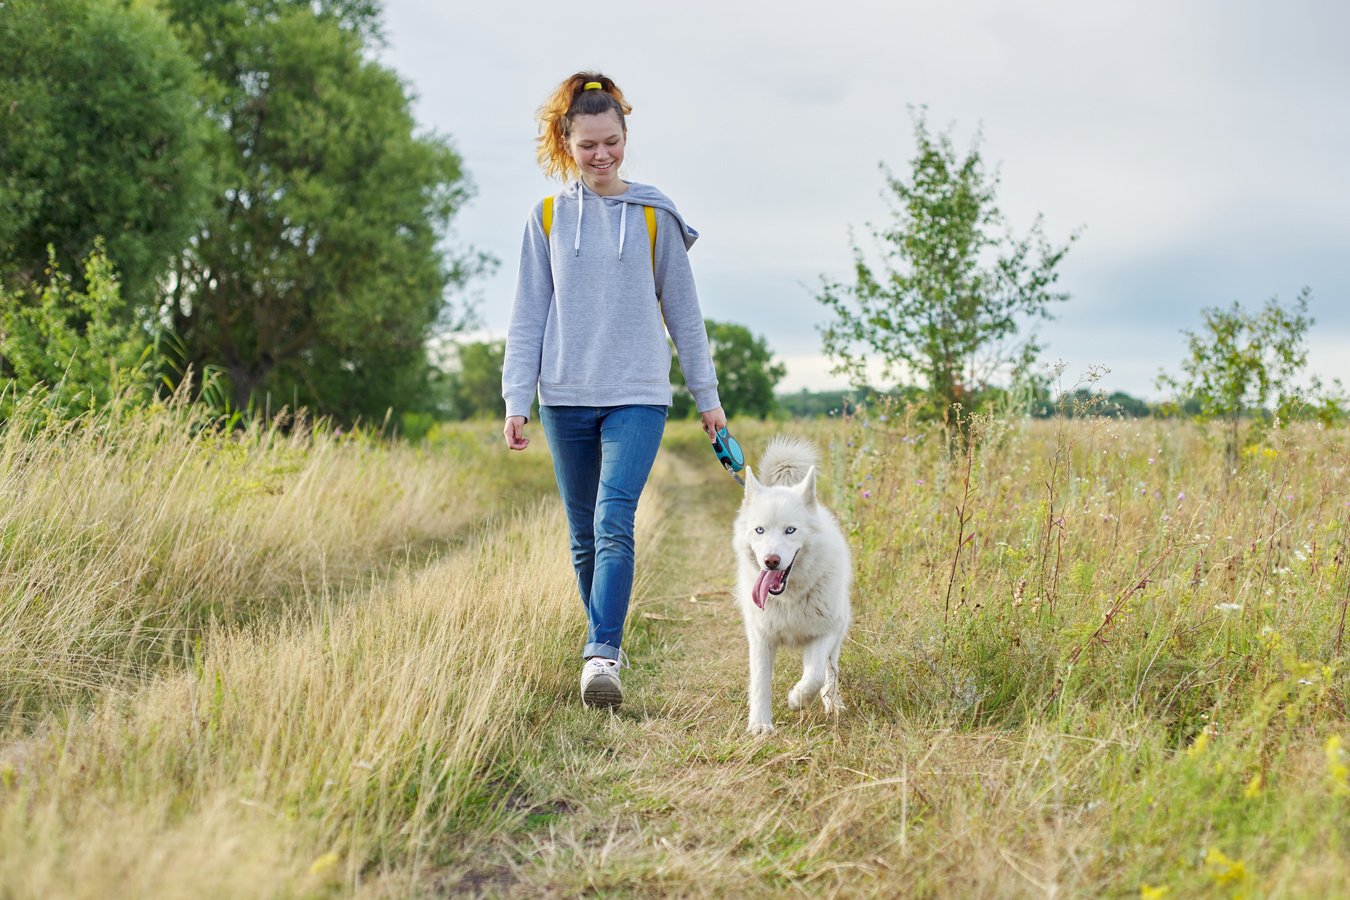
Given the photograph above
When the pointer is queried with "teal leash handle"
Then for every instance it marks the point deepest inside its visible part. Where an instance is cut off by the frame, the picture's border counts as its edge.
(729, 453)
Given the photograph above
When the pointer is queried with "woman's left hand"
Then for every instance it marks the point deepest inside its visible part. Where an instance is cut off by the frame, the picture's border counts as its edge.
(714, 420)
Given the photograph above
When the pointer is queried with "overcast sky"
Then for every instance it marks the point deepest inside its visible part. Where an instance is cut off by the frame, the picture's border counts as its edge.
(1203, 148)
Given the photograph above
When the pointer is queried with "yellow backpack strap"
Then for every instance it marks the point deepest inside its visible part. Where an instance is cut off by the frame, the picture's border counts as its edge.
(650, 212)
(548, 217)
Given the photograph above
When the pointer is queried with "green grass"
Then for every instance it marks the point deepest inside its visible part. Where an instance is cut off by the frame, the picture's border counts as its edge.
(1088, 659)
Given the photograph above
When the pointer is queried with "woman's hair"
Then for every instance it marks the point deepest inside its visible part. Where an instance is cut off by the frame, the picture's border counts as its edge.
(569, 100)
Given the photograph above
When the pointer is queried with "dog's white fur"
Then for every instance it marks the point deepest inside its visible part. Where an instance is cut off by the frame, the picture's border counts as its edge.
(780, 517)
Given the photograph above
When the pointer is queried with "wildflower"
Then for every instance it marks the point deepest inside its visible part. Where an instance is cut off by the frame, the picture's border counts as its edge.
(1181, 497)
(1198, 746)
(1150, 460)
(1152, 893)
(1271, 639)
(920, 481)
(1224, 870)
(323, 864)
(1226, 608)
(1253, 787)
(867, 495)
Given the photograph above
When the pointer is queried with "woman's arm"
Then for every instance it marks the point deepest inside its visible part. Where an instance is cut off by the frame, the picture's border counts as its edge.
(529, 315)
(684, 319)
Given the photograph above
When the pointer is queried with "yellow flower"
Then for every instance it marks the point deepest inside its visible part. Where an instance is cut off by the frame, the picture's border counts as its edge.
(1152, 893)
(321, 866)
(1337, 766)
(1224, 870)
(1198, 746)
(1253, 787)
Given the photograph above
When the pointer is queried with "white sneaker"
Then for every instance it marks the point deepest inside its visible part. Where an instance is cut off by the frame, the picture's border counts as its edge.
(600, 683)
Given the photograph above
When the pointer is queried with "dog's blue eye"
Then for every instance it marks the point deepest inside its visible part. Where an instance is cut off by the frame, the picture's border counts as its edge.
(791, 529)
(759, 530)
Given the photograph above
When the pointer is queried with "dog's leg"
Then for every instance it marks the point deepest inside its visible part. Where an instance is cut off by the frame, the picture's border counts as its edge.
(815, 661)
(761, 683)
(829, 694)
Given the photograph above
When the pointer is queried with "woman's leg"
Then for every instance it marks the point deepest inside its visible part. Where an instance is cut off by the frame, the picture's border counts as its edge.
(573, 434)
(629, 439)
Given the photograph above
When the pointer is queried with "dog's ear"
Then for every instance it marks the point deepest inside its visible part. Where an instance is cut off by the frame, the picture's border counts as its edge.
(808, 487)
(751, 485)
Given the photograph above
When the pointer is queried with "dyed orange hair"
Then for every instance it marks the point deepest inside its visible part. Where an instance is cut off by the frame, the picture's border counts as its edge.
(569, 100)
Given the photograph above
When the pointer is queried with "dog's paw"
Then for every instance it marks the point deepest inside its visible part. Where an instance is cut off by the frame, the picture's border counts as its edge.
(795, 698)
(759, 728)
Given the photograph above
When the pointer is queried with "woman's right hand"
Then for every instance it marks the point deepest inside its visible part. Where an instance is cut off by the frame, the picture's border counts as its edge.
(515, 433)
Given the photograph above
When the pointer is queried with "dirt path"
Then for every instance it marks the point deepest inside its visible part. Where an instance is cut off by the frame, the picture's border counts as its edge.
(668, 795)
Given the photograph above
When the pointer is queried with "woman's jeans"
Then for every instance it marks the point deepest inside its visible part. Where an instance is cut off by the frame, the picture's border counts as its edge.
(601, 457)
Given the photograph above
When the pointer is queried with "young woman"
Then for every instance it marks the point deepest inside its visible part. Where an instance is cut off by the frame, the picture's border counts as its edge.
(601, 280)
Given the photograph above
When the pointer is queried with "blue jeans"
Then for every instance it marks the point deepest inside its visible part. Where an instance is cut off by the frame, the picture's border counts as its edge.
(602, 456)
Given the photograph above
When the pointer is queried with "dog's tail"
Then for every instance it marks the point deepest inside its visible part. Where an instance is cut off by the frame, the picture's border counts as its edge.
(785, 461)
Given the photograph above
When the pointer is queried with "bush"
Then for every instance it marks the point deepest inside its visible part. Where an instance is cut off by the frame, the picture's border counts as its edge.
(72, 342)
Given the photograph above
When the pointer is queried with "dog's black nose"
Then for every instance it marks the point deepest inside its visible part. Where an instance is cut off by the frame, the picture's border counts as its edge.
(773, 562)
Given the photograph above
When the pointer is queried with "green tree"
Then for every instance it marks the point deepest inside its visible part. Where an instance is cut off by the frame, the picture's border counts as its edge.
(475, 386)
(321, 271)
(746, 373)
(100, 135)
(953, 286)
(1240, 361)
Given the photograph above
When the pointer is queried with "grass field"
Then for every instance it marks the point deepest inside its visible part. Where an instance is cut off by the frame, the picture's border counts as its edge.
(1089, 658)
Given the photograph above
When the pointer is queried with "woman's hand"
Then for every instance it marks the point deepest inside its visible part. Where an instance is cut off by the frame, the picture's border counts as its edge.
(515, 433)
(714, 420)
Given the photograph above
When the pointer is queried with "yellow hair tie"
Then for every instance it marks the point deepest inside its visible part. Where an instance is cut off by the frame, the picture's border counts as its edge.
(593, 86)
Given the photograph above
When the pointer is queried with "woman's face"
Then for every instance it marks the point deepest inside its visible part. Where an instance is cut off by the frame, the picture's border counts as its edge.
(596, 144)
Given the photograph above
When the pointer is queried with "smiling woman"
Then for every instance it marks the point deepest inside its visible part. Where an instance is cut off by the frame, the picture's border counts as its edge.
(588, 335)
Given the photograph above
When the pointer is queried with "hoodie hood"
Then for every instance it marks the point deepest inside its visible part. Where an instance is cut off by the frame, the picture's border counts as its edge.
(638, 194)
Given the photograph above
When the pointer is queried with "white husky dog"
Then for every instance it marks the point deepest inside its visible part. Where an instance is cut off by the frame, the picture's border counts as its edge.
(793, 575)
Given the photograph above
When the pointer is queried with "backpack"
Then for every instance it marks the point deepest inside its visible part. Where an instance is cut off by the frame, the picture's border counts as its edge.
(649, 213)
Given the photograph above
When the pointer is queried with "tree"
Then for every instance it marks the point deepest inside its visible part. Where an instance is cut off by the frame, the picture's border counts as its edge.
(1239, 362)
(954, 282)
(475, 387)
(746, 373)
(320, 272)
(100, 135)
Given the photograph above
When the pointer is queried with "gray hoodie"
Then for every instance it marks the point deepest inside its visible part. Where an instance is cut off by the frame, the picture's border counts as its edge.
(586, 325)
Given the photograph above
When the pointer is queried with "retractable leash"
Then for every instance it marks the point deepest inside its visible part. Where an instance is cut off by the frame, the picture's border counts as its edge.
(729, 454)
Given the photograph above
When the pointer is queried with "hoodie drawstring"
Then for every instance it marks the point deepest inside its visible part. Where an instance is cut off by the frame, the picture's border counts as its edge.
(581, 207)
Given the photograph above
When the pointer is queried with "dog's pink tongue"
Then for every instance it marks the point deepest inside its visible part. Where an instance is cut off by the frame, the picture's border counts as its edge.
(761, 591)
(770, 580)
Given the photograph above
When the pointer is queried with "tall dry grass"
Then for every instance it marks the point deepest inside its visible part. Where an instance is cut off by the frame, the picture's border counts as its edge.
(270, 663)
(1089, 658)
(338, 746)
(125, 533)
